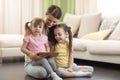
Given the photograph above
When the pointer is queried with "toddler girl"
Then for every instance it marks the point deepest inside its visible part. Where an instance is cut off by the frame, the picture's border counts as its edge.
(35, 43)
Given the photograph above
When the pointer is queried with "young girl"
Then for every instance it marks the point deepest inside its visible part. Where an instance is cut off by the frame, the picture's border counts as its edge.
(52, 16)
(35, 45)
(64, 61)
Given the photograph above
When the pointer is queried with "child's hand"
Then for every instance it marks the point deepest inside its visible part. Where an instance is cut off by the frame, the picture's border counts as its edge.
(69, 69)
(34, 56)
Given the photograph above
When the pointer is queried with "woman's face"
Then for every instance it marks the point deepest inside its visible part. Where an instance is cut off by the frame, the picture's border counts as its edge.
(50, 21)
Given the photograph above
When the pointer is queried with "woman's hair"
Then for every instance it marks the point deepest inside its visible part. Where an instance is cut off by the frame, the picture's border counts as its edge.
(34, 23)
(51, 36)
(55, 11)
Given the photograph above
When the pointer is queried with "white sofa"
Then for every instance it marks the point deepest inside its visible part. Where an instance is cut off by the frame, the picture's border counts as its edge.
(93, 39)
(96, 37)
(10, 46)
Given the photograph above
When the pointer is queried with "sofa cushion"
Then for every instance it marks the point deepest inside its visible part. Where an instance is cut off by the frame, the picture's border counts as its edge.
(80, 45)
(109, 23)
(116, 33)
(10, 40)
(73, 21)
(97, 35)
(89, 23)
(104, 47)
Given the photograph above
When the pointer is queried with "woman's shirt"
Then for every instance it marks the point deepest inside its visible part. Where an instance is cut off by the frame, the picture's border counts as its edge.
(35, 45)
(63, 54)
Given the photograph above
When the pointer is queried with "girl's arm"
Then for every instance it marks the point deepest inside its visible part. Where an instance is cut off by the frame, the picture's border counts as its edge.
(28, 52)
(71, 60)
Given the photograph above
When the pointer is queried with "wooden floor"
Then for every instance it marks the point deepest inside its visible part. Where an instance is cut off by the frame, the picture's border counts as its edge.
(103, 71)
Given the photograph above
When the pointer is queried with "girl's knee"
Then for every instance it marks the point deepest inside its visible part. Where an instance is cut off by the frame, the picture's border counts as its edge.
(38, 74)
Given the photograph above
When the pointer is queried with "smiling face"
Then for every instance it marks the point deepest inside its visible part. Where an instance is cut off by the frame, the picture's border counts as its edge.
(50, 20)
(60, 35)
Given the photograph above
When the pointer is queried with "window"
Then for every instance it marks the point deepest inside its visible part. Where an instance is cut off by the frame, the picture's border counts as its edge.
(0, 7)
(108, 7)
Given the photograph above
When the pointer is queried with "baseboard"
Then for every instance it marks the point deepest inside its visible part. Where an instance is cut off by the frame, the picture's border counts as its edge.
(97, 63)
(12, 59)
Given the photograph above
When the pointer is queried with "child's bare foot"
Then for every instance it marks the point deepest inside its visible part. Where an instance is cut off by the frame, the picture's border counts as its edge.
(86, 68)
(55, 76)
(83, 70)
(83, 74)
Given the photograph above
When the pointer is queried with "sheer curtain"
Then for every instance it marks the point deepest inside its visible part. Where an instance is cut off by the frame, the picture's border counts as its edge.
(85, 6)
(14, 14)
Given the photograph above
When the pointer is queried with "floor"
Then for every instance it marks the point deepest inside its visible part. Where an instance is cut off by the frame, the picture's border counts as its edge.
(103, 71)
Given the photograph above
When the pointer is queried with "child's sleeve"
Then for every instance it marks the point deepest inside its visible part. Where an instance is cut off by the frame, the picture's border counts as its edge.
(26, 39)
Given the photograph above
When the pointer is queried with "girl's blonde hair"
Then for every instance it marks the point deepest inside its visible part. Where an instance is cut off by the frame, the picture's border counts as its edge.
(35, 22)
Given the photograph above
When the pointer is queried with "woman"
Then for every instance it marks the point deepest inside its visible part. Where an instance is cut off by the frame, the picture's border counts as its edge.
(53, 15)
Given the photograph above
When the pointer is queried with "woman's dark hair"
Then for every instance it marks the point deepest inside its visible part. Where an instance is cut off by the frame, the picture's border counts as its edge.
(51, 36)
(55, 11)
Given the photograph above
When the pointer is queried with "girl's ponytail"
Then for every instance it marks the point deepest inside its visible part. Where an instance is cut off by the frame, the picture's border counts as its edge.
(70, 39)
(27, 28)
